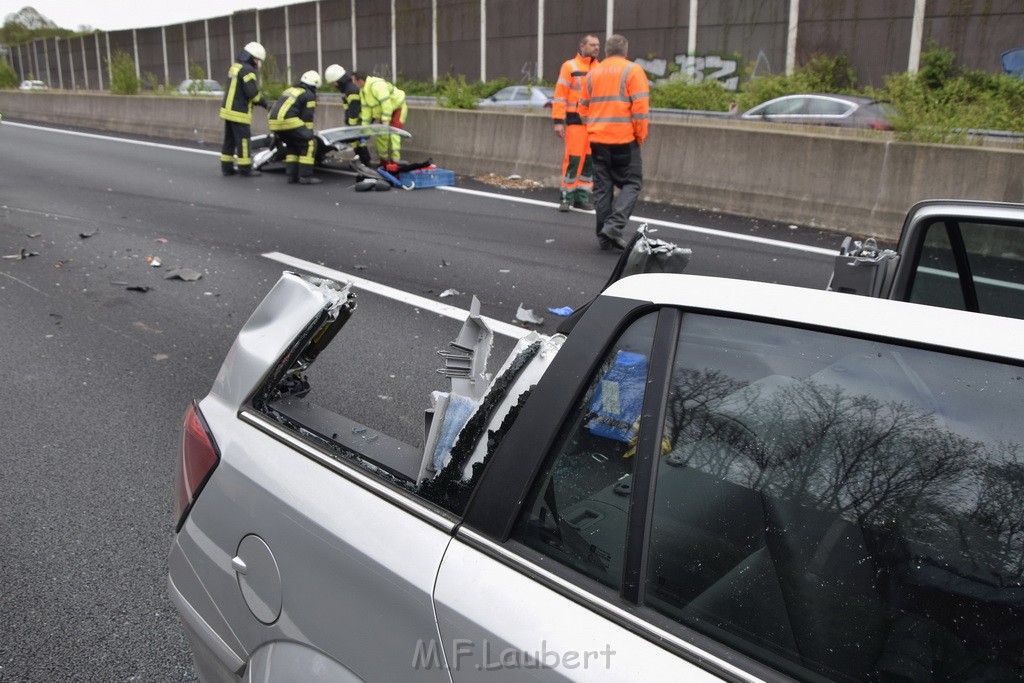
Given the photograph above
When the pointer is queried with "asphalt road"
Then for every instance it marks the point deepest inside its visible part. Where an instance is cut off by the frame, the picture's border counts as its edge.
(96, 376)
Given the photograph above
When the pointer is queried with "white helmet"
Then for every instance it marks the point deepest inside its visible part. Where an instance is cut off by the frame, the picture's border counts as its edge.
(311, 78)
(334, 73)
(257, 51)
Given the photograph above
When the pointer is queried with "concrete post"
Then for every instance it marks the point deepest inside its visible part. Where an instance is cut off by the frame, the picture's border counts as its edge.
(60, 68)
(355, 63)
(287, 47)
(206, 33)
(319, 41)
(691, 30)
(163, 43)
(135, 44)
(110, 67)
(85, 63)
(99, 60)
(483, 40)
(231, 36)
(71, 66)
(916, 35)
(394, 45)
(794, 21)
(46, 59)
(184, 49)
(540, 39)
(609, 19)
(433, 40)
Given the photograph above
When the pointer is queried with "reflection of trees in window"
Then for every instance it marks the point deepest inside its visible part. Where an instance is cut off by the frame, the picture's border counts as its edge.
(880, 464)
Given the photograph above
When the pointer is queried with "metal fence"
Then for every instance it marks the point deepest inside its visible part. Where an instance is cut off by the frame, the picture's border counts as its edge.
(529, 39)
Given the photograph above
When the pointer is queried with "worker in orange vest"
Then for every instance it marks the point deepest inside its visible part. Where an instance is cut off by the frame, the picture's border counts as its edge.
(577, 169)
(616, 107)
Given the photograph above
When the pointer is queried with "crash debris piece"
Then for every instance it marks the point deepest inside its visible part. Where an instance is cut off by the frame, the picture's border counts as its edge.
(153, 261)
(138, 288)
(449, 292)
(562, 311)
(87, 234)
(21, 255)
(33, 235)
(160, 356)
(526, 315)
(186, 274)
(162, 240)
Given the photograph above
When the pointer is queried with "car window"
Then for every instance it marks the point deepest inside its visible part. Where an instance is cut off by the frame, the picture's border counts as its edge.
(841, 507)
(786, 107)
(994, 260)
(820, 106)
(576, 512)
(521, 94)
(504, 94)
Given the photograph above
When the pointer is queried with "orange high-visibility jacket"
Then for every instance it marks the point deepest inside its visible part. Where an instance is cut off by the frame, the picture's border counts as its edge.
(615, 102)
(569, 88)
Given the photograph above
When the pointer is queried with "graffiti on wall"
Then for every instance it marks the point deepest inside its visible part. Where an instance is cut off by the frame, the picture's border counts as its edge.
(693, 70)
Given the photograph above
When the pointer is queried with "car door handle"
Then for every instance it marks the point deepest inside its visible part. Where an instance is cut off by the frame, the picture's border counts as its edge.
(238, 564)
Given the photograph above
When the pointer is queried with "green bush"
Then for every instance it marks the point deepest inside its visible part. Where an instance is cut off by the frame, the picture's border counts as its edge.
(681, 94)
(123, 80)
(8, 77)
(455, 93)
(272, 83)
(417, 88)
(822, 74)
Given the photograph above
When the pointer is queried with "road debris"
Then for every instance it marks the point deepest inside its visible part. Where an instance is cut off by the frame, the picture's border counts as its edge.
(60, 264)
(138, 288)
(162, 240)
(526, 315)
(33, 235)
(186, 274)
(562, 311)
(449, 292)
(153, 261)
(21, 255)
(86, 235)
(510, 183)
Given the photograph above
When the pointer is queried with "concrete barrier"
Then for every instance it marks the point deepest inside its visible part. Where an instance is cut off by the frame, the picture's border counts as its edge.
(850, 181)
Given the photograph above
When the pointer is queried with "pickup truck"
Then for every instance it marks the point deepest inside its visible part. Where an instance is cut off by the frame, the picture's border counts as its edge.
(700, 479)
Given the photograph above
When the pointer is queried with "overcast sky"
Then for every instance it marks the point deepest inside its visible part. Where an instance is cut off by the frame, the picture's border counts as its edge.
(112, 15)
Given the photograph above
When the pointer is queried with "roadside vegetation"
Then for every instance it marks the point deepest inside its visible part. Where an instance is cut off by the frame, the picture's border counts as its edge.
(8, 76)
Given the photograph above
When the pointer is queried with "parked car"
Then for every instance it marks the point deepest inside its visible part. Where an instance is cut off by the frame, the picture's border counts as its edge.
(206, 86)
(1013, 62)
(536, 96)
(845, 111)
(700, 478)
(32, 85)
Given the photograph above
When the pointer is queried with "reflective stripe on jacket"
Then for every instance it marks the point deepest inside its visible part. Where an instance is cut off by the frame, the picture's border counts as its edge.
(242, 92)
(615, 104)
(380, 99)
(294, 109)
(569, 89)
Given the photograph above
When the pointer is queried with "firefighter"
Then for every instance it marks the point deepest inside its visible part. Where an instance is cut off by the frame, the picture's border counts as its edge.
(242, 92)
(577, 168)
(616, 107)
(382, 102)
(336, 75)
(292, 119)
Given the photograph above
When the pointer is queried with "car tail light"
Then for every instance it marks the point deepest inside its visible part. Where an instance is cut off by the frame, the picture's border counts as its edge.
(199, 457)
(879, 125)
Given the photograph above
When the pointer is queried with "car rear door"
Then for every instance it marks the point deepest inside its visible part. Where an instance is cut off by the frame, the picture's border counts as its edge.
(734, 495)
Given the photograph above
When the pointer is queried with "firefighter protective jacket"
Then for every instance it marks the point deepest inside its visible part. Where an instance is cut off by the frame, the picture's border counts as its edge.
(350, 94)
(294, 109)
(242, 92)
(569, 89)
(615, 102)
(380, 99)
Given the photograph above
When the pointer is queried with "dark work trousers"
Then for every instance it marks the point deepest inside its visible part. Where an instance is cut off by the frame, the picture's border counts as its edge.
(300, 148)
(236, 144)
(616, 166)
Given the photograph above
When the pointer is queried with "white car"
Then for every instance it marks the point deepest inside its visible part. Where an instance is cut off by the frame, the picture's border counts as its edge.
(703, 479)
(32, 85)
(206, 87)
(520, 96)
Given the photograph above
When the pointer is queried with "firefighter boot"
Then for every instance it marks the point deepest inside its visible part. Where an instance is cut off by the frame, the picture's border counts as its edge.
(291, 170)
(306, 175)
(227, 168)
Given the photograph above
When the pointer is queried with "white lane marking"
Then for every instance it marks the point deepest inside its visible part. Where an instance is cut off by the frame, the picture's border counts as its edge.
(980, 280)
(497, 326)
(666, 224)
(24, 283)
(107, 138)
(480, 193)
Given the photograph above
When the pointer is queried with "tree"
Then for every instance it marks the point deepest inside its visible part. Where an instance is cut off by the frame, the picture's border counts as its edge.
(26, 25)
